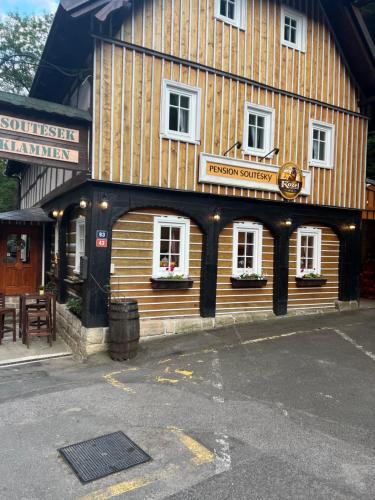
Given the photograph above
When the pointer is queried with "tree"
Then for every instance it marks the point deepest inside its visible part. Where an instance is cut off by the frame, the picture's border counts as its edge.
(22, 39)
(8, 190)
(368, 12)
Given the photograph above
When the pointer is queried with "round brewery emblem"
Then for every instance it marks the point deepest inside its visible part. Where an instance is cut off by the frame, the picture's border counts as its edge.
(290, 180)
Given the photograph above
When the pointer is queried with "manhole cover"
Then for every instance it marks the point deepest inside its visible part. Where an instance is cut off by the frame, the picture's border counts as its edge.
(103, 455)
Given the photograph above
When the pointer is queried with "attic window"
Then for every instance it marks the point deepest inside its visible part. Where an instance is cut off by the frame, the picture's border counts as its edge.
(293, 29)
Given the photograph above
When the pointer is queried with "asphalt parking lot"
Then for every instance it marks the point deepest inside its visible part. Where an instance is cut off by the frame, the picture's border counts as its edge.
(280, 409)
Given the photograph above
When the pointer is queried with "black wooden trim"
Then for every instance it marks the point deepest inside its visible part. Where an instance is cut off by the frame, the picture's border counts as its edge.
(200, 207)
(226, 74)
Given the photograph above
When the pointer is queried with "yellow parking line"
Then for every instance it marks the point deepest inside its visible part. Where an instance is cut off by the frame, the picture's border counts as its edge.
(118, 489)
(201, 455)
(111, 379)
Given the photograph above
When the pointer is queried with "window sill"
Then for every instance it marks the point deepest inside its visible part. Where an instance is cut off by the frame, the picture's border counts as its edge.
(292, 46)
(227, 20)
(320, 165)
(257, 153)
(310, 282)
(179, 138)
(73, 281)
(171, 284)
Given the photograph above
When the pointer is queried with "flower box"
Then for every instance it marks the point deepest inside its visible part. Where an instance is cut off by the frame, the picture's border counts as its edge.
(310, 282)
(171, 284)
(248, 282)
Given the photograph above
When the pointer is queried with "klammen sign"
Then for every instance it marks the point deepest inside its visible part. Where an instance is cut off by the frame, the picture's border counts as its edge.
(43, 142)
(241, 173)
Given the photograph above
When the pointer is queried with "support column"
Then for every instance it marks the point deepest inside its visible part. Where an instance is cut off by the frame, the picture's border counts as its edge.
(62, 271)
(350, 262)
(95, 290)
(209, 271)
(281, 272)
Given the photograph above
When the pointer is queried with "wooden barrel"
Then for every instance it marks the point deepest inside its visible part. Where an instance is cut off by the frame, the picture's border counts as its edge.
(123, 329)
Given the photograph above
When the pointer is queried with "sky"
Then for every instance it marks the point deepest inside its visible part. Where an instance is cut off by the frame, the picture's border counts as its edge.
(28, 6)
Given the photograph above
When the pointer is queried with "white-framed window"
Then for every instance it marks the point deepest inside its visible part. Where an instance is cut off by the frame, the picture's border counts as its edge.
(293, 28)
(247, 248)
(180, 112)
(232, 12)
(321, 144)
(309, 243)
(171, 246)
(80, 242)
(258, 129)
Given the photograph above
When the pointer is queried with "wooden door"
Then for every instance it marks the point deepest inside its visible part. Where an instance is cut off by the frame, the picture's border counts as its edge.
(21, 250)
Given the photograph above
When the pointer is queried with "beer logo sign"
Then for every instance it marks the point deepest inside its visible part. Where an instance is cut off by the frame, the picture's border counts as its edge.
(290, 180)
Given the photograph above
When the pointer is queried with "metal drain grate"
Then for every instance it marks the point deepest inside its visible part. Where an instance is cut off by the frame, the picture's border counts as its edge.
(103, 455)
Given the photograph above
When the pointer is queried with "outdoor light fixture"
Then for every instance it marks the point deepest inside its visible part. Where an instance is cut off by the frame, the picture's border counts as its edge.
(216, 216)
(104, 203)
(352, 227)
(83, 203)
(237, 145)
(55, 213)
(288, 222)
(274, 150)
(61, 213)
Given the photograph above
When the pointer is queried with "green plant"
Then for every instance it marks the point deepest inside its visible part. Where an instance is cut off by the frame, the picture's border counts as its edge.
(51, 287)
(250, 276)
(312, 276)
(74, 304)
(173, 277)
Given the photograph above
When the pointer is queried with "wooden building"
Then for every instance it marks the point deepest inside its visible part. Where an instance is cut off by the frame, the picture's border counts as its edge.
(226, 157)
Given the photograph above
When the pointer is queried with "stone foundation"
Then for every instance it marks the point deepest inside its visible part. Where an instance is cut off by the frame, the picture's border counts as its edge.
(87, 341)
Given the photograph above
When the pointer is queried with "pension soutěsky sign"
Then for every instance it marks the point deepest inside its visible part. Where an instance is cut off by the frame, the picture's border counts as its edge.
(43, 142)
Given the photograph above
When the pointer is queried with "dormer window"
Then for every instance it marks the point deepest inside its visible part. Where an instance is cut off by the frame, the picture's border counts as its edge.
(231, 12)
(293, 29)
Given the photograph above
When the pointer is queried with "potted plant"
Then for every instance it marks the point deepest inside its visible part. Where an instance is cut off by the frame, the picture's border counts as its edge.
(248, 280)
(313, 279)
(171, 281)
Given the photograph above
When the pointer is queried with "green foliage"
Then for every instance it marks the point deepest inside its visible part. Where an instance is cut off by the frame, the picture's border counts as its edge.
(8, 190)
(251, 276)
(22, 39)
(368, 12)
(310, 276)
(371, 156)
(51, 287)
(74, 304)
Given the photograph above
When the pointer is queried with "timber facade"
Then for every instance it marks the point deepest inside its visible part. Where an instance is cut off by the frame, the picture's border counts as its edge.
(197, 107)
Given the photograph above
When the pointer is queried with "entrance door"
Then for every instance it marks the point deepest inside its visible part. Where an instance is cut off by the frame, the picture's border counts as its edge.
(20, 259)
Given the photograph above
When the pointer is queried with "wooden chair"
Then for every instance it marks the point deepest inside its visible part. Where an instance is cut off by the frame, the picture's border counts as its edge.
(37, 318)
(6, 311)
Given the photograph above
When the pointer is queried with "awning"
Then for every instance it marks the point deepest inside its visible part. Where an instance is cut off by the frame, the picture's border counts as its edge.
(25, 215)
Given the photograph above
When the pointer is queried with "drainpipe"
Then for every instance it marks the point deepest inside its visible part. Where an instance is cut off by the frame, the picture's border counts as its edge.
(18, 199)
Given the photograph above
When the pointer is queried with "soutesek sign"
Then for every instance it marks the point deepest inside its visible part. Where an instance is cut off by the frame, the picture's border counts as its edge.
(43, 142)
(242, 173)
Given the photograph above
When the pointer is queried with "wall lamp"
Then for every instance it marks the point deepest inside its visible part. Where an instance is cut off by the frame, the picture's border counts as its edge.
(352, 226)
(237, 145)
(61, 213)
(83, 203)
(103, 205)
(55, 213)
(216, 216)
(288, 222)
(274, 150)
